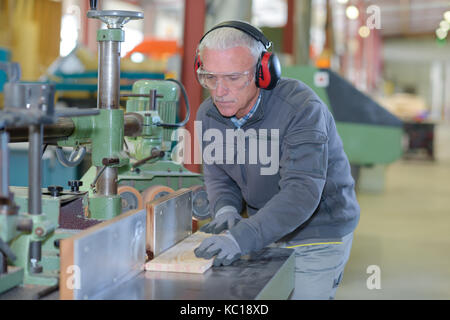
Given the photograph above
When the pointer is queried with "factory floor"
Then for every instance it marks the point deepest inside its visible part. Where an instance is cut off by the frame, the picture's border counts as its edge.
(405, 231)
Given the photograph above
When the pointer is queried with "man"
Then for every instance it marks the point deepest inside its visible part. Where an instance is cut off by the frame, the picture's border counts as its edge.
(309, 203)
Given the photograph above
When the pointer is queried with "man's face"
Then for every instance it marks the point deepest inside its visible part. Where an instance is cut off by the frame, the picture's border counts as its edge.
(231, 101)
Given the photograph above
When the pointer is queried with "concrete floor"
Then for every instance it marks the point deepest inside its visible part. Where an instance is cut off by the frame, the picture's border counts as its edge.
(405, 231)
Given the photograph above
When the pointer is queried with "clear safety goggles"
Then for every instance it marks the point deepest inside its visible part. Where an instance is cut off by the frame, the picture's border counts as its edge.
(230, 80)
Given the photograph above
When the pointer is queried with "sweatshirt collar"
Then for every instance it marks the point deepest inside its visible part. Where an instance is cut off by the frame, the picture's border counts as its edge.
(256, 116)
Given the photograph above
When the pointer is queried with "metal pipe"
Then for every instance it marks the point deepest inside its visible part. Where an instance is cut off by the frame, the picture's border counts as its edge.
(35, 252)
(133, 124)
(4, 161)
(108, 95)
(34, 189)
(24, 224)
(65, 127)
(3, 264)
(107, 182)
(35, 169)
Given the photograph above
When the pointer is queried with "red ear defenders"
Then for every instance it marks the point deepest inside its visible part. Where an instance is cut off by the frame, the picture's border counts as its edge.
(268, 69)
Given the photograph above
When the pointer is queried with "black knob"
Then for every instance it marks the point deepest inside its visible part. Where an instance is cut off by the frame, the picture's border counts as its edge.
(75, 185)
(55, 191)
(93, 4)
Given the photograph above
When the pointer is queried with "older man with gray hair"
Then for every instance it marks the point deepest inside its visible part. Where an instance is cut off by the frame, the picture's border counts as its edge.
(309, 204)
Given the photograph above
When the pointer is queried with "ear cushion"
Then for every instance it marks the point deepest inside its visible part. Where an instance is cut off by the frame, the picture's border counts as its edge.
(268, 71)
(197, 62)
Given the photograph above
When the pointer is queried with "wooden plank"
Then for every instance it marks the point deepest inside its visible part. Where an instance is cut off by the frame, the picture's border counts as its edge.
(181, 257)
(66, 276)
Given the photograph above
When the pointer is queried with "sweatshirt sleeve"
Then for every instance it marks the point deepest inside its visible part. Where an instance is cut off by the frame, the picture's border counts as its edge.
(303, 170)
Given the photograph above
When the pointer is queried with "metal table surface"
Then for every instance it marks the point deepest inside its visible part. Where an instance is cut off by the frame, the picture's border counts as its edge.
(267, 274)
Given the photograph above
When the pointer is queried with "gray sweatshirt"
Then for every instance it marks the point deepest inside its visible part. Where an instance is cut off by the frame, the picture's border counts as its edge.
(308, 197)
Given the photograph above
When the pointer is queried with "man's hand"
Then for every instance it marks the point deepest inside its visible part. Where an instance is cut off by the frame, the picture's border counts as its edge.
(224, 246)
(225, 219)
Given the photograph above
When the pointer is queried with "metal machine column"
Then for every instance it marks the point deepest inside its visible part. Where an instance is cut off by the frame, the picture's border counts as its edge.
(107, 141)
(34, 190)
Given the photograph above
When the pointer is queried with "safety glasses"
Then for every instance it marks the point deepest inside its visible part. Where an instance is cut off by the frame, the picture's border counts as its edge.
(231, 80)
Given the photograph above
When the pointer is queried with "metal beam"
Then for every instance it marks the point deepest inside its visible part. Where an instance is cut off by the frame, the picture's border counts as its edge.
(194, 24)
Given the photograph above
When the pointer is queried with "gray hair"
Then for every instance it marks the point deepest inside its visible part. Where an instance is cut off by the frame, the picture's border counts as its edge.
(227, 38)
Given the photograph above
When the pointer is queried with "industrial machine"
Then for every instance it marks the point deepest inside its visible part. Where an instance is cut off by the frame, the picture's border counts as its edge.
(103, 218)
(371, 134)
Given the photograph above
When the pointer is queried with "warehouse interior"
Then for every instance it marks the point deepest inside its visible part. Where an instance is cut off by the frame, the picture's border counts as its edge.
(382, 67)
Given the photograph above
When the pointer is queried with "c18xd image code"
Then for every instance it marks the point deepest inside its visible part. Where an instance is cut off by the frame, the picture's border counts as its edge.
(245, 309)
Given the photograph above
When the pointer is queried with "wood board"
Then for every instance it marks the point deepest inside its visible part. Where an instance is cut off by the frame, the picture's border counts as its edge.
(181, 257)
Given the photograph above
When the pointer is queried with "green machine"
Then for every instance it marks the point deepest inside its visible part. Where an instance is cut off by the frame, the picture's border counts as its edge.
(152, 104)
(131, 157)
(371, 135)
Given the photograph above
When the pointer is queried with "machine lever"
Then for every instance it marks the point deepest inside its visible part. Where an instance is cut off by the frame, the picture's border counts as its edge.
(155, 154)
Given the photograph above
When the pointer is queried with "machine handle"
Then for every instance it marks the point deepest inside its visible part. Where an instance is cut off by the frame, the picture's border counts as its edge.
(154, 154)
(74, 159)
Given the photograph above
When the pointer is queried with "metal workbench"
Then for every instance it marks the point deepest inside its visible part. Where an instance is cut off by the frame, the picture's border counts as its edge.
(267, 274)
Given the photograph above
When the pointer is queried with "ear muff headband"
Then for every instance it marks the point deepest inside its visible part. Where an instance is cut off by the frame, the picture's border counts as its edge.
(268, 70)
(244, 27)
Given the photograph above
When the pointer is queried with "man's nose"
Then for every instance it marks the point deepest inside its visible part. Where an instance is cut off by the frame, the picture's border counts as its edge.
(221, 90)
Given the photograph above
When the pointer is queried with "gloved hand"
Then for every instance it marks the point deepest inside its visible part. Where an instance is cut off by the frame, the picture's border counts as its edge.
(224, 246)
(225, 219)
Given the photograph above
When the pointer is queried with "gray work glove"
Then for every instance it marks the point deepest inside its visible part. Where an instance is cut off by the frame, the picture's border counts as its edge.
(225, 219)
(224, 246)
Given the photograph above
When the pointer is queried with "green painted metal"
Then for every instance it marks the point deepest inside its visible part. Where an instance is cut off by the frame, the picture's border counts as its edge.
(364, 144)
(166, 106)
(104, 207)
(104, 132)
(167, 173)
(151, 137)
(84, 127)
(50, 253)
(8, 227)
(87, 179)
(110, 35)
(306, 75)
(107, 137)
(357, 138)
(168, 90)
(13, 278)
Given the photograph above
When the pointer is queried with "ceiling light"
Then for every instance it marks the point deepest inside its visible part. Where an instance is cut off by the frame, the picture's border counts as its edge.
(137, 57)
(364, 31)
(447, 16)
(444, 25)
(352, 12)
(441, 34)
